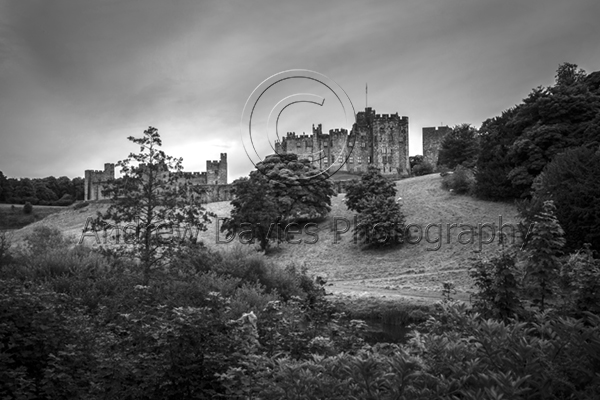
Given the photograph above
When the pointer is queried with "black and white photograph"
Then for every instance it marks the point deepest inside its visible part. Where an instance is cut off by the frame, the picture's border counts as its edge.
(259, 199)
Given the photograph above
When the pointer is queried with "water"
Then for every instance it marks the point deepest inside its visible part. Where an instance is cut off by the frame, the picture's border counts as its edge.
(378, 332)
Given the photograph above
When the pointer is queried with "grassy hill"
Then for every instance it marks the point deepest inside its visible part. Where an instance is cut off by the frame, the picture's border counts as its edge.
(413, 270)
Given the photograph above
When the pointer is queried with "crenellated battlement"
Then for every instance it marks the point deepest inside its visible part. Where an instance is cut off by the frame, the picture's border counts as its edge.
(96, 180)
(375, 139)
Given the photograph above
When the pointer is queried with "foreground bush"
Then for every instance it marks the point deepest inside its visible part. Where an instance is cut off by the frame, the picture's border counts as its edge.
(460, 181)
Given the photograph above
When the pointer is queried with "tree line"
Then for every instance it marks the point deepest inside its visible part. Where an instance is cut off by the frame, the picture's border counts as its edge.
(61, 191)
(545, 148)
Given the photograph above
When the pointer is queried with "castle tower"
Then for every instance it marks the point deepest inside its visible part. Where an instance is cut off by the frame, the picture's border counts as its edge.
(432, 140)
(380, 140)
(94, 182)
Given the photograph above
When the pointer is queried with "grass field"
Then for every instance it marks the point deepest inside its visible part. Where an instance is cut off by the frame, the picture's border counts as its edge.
(15, 218)
(412, 271)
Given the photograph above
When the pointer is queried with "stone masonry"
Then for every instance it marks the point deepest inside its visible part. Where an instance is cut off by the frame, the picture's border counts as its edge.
(432, 140)
(214, 181)
(376, 139)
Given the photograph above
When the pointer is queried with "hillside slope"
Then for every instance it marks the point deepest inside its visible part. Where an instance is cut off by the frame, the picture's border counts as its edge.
(411, 270)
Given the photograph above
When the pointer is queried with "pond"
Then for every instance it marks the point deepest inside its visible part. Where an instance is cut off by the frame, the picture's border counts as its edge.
(379, 332)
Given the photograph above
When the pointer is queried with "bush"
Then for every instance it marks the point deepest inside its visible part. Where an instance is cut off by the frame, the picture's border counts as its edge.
(27, 208)
(497, 281)
(423, 168)
(460, 181)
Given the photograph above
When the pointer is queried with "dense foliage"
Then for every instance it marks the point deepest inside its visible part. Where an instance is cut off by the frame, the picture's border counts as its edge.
(571, 182)
(154, 209)
(459, 147)
(380, 221)
(76, 323)
(281, 190)
(45, 191)
(517, 145)
(418, 166)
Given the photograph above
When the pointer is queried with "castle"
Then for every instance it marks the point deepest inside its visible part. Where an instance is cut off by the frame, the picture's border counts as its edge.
(214, 181)
(375, 139)
(432, 140)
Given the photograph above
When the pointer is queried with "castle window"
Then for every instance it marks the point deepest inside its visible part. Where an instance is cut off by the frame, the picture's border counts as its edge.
(369, 159)
(363, 144)
(324, 144)
(351, 160)
(332, 159)
(340, 159)
(359, 159)
(350, 144)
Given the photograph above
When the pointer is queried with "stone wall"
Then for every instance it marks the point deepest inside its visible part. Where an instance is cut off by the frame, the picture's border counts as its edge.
(379, 140)
(214, 180)
(94, 182)
(432, 140)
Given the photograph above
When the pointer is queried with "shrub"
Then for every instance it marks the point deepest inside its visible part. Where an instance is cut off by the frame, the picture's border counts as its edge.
(497, 281)
(460, 181)
(27, 208)
(5, 244)
(423, 168)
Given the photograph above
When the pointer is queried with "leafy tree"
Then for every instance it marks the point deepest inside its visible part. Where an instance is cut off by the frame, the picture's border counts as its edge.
(302, 191)
(27, 208)
(459, 147)
(572, 181)
(372, 183)
(2, 187)
(254, 211)
(281, 189)
(25, 191)
(515, 147)
(542, 247)
(44, 194)
(498, 287)
(77, 191)
(380, 221)
(154, 196)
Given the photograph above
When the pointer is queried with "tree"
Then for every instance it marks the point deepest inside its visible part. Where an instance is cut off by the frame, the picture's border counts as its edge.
(255, 215)
(3, 183)
(571, 181)
(154, 196)
(542, 245)
(459, 147)
(302, 191)
(515, 147)
(282, 189)
(371, 184)
(380, 221)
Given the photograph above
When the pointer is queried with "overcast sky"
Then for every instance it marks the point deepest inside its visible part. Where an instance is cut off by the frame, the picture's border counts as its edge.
(78, 77)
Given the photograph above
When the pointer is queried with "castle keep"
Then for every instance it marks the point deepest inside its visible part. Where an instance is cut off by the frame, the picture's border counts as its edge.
(214, 181)
(375, 139)
(432, 141)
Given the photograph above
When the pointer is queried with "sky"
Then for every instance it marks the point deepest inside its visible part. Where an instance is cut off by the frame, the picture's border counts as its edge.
(77, 78)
